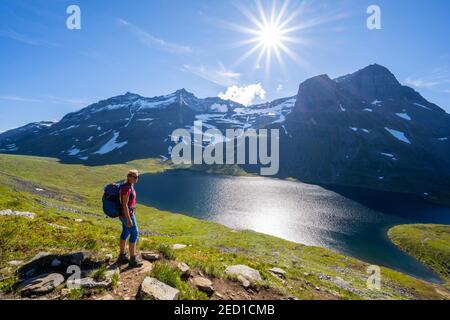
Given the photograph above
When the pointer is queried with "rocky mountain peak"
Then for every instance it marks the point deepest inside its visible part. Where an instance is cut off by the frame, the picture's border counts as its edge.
(371, 83)
(317, 93)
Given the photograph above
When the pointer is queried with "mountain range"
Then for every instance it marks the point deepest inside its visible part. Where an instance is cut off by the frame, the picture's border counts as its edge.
(364, 129)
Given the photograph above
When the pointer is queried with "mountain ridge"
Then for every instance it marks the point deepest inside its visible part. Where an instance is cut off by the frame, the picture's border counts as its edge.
(363, 129)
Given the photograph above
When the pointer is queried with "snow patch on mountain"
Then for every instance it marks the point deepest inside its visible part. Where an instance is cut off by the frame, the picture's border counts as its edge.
(404, 115)
(376, 102)
(422, 106)
(399, 135)
(221, 108)
(389, 155)
(111, 145)
(73, 151)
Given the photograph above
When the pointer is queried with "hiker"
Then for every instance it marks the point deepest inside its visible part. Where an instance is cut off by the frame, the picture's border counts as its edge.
(128, 218)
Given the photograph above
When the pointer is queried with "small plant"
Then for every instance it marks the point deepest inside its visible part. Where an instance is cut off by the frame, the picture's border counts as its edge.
(115, 281)
(100, 274)
(166, 273)
(166, 251)
(76, 294)
(172, 276)
(7, 284)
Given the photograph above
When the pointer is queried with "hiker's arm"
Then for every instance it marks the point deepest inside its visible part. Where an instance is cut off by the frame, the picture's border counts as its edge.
(125, 198)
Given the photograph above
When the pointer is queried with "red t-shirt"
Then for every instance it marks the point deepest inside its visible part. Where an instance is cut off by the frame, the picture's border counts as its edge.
(128, 190)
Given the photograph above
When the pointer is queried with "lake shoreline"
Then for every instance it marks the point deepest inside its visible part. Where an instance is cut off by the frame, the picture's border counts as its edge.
(180, 185)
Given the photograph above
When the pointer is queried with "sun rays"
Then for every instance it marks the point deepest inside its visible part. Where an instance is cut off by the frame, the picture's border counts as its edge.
(271, 34)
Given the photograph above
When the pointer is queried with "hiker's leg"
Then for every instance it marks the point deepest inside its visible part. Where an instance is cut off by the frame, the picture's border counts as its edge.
(134, 233)
(124, 235)
(123, 244)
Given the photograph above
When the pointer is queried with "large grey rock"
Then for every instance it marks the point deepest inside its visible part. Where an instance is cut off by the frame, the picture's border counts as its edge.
(154, 289)
(178, 246)
(9, 212)
(245, 271)
(41, 284)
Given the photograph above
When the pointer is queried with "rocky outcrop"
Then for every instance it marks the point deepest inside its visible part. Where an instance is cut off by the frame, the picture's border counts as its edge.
(41, 284)
(248, 273)
(154, 289)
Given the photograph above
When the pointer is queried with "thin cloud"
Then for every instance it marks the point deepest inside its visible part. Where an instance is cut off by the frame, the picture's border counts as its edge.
(421, 82)
(48, 99)
(22, 38)
(436, 77)
(152, 41)
(218, 75)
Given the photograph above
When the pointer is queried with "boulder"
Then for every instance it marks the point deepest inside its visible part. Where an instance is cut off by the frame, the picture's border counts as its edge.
(41, 284)
(203, 284)
(154, 289)
(150, 256)
(178, 246)
(31, 268)
(245, 271)
(45, 262)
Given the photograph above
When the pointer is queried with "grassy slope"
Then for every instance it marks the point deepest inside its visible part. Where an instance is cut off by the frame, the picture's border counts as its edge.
(74, 192)
(429, 243)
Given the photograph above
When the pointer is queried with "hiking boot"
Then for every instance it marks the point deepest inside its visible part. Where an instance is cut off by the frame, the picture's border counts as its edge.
(123, 259)
(135, 262)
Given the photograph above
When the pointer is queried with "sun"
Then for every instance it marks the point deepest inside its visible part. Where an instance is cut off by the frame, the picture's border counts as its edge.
(271, 34)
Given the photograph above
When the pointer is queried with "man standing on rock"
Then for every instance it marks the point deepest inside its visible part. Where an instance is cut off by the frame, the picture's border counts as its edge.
(128, 219)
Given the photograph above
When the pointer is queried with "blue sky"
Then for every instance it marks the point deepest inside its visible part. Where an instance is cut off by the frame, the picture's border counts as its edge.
(156, 47)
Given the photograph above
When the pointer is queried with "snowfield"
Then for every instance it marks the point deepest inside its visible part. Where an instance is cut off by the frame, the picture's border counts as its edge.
(111, 145)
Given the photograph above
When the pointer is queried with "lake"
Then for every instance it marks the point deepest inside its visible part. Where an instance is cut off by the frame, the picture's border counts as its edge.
(348, 220)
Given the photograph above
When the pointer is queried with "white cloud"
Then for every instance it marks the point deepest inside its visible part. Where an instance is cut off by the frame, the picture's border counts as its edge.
(218, 75)
(152, 41)
(244, 95)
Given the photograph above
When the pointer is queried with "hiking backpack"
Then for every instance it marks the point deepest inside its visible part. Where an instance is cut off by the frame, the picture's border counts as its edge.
(111, 200)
